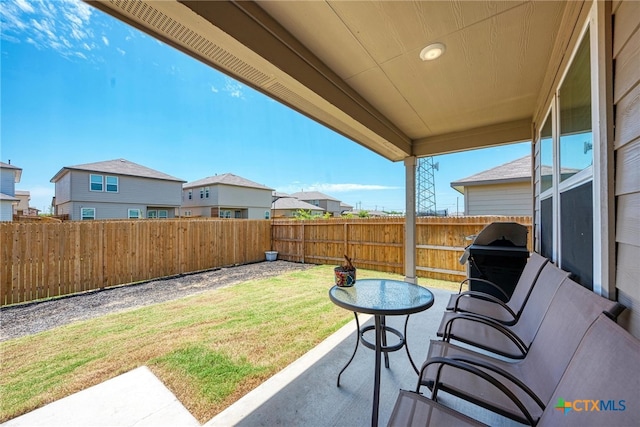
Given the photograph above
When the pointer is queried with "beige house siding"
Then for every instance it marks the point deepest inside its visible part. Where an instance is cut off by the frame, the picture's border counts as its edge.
(626, 98)
(252, 202)
(498, 199)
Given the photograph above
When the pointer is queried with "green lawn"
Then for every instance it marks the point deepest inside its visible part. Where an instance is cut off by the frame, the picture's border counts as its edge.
(209, 349)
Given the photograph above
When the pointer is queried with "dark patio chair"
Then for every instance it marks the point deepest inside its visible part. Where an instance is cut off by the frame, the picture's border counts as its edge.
(490, 306)
(509, 341)
(532, 379)
(599, 387)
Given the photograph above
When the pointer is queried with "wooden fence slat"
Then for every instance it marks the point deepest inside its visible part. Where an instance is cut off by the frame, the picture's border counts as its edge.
(40, 260)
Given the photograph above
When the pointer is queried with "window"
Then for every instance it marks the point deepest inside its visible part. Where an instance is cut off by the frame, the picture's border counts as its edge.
(574, 98)
(267, 214)
(134, 213)
(163, 213)
(315, 202)
(112, 184)
(187, 213)
(87, 213)
(190, 194)
(225, 214)
(152, 214)
(566, 193)
(206, 192)
(95, 183)
(202, 193)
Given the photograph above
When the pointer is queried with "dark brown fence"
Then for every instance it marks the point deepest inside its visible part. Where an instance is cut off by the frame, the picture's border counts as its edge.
(52, 259)
(378, 243)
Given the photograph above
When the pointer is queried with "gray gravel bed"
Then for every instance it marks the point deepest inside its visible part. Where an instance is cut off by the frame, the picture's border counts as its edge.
(26, 319)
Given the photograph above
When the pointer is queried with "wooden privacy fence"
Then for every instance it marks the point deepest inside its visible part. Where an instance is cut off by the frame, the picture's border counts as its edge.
(48, 259)
(378, 243)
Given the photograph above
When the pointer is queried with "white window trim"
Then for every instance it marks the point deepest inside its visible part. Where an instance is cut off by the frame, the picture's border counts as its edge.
(106, 185)
(598, 172)
(82, 216)
(101, 183)
(163, 214)
(139, 211)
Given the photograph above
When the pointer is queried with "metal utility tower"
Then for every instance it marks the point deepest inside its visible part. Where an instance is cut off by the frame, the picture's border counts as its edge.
(426, 187)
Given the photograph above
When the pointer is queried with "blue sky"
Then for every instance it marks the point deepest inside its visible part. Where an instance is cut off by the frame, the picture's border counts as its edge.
(78, 86)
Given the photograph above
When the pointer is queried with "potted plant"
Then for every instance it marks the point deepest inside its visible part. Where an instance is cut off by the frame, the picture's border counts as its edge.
(345, 274)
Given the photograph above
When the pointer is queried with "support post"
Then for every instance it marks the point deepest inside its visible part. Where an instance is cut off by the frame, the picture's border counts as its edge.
(410, 220)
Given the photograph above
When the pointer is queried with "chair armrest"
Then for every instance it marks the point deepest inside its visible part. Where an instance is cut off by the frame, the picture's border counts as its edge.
(486, 282)
(486, 297)
(508, 333)
(460, 363)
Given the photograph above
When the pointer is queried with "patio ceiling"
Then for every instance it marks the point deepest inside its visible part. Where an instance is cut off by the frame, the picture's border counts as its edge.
(355, 67)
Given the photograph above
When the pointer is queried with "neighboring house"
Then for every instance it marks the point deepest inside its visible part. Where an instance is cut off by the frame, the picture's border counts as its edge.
(286, 207)
(328, 203)
(367, 213)
(9, 175)
(344, 208)
(22, 207)
(226, 196)
(115, 189)
(503, 190)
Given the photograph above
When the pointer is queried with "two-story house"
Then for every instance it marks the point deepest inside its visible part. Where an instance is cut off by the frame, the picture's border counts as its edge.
(316, 198)
(115, 189)
(226, 196)
(9, 175)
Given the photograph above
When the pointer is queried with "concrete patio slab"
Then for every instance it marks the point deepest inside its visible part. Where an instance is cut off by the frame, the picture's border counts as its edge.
(137, 398)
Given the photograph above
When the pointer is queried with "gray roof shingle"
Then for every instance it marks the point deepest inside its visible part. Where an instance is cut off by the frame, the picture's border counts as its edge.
(518, 170)
(313, 195)
(227, 179)
(118, 167)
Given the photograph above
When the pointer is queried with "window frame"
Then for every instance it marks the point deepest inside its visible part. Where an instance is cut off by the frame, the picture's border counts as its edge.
(130, 210)
(91, 183)
(106, 184)
(600, 34)
(84, 217)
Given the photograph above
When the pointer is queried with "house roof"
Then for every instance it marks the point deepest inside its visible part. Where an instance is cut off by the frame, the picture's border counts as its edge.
(288, 203)
(226, 179)
(518, 170)
(117, 167)
(5, 197)
(16, 169)
(312, 195)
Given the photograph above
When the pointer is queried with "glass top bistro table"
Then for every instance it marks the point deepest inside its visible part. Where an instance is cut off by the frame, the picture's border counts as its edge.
(381, 297)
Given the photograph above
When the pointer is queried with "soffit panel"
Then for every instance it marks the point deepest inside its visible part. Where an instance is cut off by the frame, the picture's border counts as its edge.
(491, 73)
(316, 25)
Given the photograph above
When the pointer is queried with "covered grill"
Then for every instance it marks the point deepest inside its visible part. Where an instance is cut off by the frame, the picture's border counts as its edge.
(498, 254)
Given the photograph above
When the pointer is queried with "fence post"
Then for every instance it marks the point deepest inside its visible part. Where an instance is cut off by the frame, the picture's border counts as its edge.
(346, 239)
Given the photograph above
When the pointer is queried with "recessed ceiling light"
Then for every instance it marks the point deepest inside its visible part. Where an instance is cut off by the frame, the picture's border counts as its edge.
(431, 52)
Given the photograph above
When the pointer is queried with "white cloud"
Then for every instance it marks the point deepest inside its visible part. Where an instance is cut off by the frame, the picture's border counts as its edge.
(105, 40)
(214, 89)
(24, 6)
(233, 88)
(122, 52)
(335, 188)
(61, 25)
